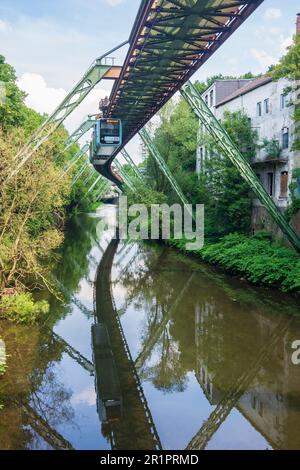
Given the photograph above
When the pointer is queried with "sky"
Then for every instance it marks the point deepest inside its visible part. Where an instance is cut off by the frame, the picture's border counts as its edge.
(51, 43)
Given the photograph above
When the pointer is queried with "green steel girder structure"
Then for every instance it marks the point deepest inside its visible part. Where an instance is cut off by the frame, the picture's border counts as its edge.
(230, 150)
(99, 178)
(80, 131)
(170, 40)
(99, 70)
(148, 141)
(130, 162)
(75, 159)
(80, 172)
(126, 178)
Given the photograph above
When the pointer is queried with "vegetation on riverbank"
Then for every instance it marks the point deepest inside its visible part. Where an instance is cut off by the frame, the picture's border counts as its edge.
(256, 258)
(35, 202)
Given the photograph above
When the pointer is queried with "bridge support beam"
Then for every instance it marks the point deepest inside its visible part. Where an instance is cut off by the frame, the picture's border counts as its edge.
(74, 160)
(130, 162)
(147, 140)
(127, 180)
(230, 150)
(99, 70)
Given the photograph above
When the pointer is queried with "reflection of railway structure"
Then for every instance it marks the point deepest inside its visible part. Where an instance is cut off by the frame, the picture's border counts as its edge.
(122, 407)
(270, 400)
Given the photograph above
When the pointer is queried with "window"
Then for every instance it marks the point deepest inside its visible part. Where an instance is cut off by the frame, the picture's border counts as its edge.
(283, 101)
(211, 98)
(271, 184)
(285, 138)
(206, 99)
(267, 106)
(258, 109)
(284, 184)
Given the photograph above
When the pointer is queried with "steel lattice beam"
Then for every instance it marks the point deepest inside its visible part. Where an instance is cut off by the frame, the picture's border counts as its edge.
(170, 40)
(99, 70)
(230, 150)
(146, 138)
(131, 163)
(127, 180)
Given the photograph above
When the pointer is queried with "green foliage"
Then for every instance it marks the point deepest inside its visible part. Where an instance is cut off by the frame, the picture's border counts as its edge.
(256, 258)
(289, 67)
(272, 148)
(144, 195)
(22, 308)
(228, 203)
(36, 201)
(295, 194)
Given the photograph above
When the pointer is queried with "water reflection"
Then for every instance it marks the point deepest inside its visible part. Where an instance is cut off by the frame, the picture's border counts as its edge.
(195, 359)
(236, 342)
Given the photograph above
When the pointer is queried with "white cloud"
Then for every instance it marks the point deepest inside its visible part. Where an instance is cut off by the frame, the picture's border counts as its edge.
(114, 3)
(40, 97)
(272, 14)
(45, 99)
(263, 58)
(86, 397)
(284, 43)
(4, 26)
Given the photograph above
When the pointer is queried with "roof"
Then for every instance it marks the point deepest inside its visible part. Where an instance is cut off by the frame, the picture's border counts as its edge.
(258, 82)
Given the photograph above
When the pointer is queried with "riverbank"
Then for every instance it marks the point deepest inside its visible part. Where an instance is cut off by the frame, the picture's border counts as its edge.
(256, 258)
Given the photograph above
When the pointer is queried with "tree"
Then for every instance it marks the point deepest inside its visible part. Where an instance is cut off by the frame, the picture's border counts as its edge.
(289, 67)
(228, 208)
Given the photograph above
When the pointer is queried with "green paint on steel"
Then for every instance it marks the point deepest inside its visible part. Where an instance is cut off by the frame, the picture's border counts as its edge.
(230, 150)
(90, 79)
(146, 138)
(131, 163)
(127, 180)
(80, 131)
(75, 159)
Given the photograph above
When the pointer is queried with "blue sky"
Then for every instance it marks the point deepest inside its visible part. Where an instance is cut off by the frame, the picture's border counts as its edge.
(52, 42)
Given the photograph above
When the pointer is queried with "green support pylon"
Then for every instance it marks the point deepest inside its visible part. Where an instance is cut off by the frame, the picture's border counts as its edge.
(84, 127)
(146, 138)
(124, 175)
(90, 79)
(131, 163)
(230, 150)
(80, 172)
(100, 178)
(90, 175)
(74, 160)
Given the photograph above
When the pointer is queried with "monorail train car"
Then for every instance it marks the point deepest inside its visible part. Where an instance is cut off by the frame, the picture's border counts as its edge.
(106, 138)
(109, 398)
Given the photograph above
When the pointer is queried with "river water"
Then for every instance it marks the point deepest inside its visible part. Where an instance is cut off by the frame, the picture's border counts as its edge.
(196, 358)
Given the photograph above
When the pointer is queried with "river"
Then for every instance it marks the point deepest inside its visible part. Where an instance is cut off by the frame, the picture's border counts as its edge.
(197, 359)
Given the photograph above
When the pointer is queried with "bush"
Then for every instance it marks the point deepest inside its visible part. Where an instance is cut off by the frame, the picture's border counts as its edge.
(256, 258)
(22, 308)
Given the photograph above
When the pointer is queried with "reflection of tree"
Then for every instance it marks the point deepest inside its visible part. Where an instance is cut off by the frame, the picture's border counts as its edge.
(153, 287)
(71, 265)
(168, 373)
(31, 380)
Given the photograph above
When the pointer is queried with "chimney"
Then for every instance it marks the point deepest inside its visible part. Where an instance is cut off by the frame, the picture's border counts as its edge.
(298, 24)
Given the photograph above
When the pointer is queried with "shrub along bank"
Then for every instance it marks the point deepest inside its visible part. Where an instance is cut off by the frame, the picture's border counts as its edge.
(256, 258)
